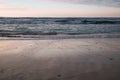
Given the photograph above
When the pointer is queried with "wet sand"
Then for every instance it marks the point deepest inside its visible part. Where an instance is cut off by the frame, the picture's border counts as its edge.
(64, 59)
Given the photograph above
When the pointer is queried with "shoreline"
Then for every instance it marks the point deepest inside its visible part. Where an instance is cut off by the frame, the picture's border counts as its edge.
(59, 36)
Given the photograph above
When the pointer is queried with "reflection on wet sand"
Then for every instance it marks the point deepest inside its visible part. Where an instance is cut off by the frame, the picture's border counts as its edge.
(69, 59)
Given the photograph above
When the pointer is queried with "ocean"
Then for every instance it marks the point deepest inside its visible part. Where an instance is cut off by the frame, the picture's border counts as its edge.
(16, 27)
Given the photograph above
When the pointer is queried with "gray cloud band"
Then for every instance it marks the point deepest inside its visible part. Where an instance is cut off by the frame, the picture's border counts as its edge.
(111, 3)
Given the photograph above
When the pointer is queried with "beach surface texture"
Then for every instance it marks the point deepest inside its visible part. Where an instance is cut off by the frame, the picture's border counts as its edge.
(61, 59)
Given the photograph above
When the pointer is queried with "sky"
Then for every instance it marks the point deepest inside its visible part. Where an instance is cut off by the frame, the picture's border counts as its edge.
(59, 8)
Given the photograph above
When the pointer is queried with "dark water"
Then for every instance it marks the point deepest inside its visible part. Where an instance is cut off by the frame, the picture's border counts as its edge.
(54, 26)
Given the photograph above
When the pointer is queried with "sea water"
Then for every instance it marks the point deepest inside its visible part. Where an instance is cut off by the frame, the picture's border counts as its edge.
(56, 26)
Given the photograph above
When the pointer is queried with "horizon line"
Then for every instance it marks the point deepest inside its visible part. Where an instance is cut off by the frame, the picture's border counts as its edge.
(59, 17)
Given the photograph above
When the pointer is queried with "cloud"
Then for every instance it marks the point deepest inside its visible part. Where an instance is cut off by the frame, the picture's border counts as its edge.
(111, 3)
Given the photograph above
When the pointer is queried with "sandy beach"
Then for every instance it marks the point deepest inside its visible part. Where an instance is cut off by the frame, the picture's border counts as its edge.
(62, 59)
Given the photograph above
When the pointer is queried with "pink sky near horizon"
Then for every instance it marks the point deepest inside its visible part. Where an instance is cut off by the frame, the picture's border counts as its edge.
(40, 8)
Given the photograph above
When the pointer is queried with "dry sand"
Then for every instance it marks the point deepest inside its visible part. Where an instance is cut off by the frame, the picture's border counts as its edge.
(65, 59)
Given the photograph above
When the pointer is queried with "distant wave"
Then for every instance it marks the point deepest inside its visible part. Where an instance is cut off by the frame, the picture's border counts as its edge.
(60, 20)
